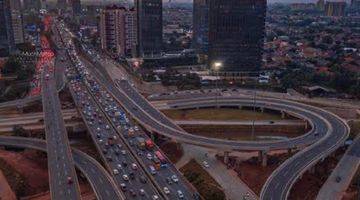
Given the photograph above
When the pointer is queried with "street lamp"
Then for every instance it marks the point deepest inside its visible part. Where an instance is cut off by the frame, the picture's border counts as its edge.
(216, 68)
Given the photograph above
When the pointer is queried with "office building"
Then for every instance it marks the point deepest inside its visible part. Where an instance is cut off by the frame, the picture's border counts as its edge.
(355, 4)
(118, 30)
(32, 4)
(7, 43)
(335, 8)
(17, 21)
(201, 26)
(236, 35)
(150, 28)
(62, 4)
(76, 7)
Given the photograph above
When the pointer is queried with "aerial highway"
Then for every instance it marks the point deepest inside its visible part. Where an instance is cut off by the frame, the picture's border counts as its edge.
(340, 178)
(151, 165)
(62, 175)
(99, 179)
(328, 131)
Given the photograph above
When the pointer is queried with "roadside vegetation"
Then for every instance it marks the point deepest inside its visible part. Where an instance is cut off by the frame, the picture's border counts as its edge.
(208, 188)
(15, 179)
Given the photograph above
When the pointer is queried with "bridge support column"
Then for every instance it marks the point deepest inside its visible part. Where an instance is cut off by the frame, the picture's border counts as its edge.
(263, 158)
(283, 115)
(240, 107)
(306, 125)
(226, 157)
(262, 109)
(312, 170)
(289, 151)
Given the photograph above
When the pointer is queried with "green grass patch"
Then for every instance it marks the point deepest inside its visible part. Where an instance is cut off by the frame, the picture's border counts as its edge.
(208, 188)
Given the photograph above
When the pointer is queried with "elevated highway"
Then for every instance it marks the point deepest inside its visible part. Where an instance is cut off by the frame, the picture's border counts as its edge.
(328, 132)
(99, 179)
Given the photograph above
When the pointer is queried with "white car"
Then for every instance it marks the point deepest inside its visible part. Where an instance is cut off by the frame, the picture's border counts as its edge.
(175, 178)
(125, 177)
(166, 190)
(116, 172)
(180, 194)
(206, 164)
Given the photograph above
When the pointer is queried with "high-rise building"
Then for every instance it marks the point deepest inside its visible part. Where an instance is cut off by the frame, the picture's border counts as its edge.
(17, 21)
(236, 34)
(62, 4)
(76, 7)
(335, 8)
(355, 4)
(32, 4)
(150, 29)
(118, 30)
(201, 25)
(320, 4)
(7, 43)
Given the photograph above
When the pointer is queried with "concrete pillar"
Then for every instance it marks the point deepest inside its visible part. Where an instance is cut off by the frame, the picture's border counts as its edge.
(264, 158)
(283, 115)
(226, 157)
(306, 125)
(312, 170)
(289, 151)
(152, 136)
(240, 107)
(260, 156)
(262, 109)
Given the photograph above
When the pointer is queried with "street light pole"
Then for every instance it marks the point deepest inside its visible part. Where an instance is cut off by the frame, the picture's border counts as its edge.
(253, 122)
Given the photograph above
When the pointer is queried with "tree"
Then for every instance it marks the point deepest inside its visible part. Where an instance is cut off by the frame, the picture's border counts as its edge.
(11, 66)
(19, 131)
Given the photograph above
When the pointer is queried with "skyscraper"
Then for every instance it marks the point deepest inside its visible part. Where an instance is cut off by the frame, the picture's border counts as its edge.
(7, 43)
(118, 30)
(17, 21)
(355, 4)
(335, 8)
(62, 4)
(76, 7)
(236, 34)
(150, 30)
(201, 25)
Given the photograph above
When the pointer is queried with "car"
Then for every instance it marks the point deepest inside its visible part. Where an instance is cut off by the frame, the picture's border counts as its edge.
(206, 164)
(175, 178)
(149, 156)
(143, 179)
(116, 172)
(134, 166)
(123, 152)
(152, 170)
(166, 191)
(132, 175)
(123, 186)
(125, 177)
(168, 180)
(119, 166)
(180, 194)
(142, 192)
(47, 76)
(124, 163)
(132, 192)
(69, 180)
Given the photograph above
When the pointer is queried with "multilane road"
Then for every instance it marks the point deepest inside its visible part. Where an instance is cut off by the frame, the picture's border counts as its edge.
(62, 176)
(101, 182)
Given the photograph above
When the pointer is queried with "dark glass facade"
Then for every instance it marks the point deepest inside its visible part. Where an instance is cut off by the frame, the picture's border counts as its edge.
(7, 43)
(236, 34)
(150, 30)
(76, 7)
(201, 25)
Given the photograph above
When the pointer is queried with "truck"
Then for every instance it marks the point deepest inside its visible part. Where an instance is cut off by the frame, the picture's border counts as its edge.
(140, 142)
(149, 144)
